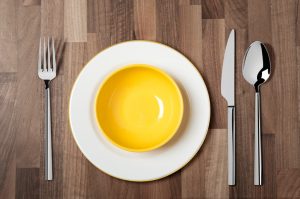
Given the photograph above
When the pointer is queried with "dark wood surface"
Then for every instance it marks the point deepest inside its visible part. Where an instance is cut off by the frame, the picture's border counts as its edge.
(197, 28)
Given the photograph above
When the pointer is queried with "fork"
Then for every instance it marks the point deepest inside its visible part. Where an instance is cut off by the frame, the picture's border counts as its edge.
(47, 72)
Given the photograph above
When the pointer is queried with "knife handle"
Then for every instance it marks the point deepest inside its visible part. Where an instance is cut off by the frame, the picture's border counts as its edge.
(257, 143)
(231, 145)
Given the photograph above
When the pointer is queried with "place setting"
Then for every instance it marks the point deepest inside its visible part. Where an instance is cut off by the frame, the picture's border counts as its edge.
(140, 110)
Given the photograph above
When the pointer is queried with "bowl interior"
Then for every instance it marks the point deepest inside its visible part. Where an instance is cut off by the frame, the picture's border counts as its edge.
(139, 107)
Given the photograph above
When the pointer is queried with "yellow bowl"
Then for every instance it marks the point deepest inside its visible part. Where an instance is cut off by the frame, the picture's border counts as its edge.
(139, 108)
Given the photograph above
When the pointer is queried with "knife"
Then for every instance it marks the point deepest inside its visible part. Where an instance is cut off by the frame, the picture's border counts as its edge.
(227, 90)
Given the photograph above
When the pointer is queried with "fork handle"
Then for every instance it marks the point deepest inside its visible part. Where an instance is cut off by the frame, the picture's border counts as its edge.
(48, 140)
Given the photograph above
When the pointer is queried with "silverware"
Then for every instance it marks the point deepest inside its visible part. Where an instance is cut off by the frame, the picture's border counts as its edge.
(256, 70)
(227, 90)
(47, 72)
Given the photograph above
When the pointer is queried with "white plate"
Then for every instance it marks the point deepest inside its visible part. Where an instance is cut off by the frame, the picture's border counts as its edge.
(150, 165)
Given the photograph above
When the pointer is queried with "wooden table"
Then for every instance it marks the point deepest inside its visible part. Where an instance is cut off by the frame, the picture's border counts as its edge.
(196, 28)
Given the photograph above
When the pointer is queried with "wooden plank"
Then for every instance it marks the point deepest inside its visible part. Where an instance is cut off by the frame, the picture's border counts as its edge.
(298, 24)
(216, 164)
(31, 2)
(284, 83)
(190, 44)
(208, 170)
(99, 16)
(8, 54)
(7, 135)
(236, 14)
(101, 185)
(145, 19)
(184, 2)
(195, 2)
(8, 36)
(167, 22)
(259, 21)
(74, 163)
(27, 183)
(298, 64)
(288, 183)
(91, 16)
(122, 25)
(213, 35)
(212, 9)
(190, 34)
(193, 176)
(169, 187)
(75, 20)
(52, 18)
(29, 97)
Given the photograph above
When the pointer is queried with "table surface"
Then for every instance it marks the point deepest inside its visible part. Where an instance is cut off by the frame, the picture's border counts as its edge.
(196, 28)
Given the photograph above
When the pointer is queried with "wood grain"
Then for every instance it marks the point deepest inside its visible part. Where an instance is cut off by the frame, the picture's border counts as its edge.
(190, 34)
(28, 183)
(191, 176)
(28, 98)
(167, 22)
(8, 36)
(99, 16)
(75, 20)
(31, 2)
(259, 21)
(212, 9)
(288, 183)
(121, 24)
(298, 24)
(213, 35)
(298, 64)
(7, 135)
(145, 19)
(197, 28)
(236, 14)
(52, 19)
(216, 165)
(287, 131)
(74, 163)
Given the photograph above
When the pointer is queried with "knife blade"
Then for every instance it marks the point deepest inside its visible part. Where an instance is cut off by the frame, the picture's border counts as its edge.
(227, 91)
(227, 81)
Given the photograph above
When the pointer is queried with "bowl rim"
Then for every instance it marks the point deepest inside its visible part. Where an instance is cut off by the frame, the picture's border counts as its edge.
(171, 80)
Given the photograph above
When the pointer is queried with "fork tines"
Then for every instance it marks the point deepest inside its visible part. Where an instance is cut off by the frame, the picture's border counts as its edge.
(46, 61)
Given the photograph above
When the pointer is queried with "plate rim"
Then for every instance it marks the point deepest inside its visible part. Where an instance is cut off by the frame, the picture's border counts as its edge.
(195, 70)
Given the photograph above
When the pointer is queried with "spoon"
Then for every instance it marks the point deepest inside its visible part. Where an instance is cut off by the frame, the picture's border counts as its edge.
(256, 71)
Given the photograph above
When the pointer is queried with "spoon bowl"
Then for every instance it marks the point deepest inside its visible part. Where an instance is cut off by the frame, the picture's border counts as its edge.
(257, 65)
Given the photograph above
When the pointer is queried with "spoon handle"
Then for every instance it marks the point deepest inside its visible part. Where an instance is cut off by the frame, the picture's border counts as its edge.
(257, 143)
(231, 145)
